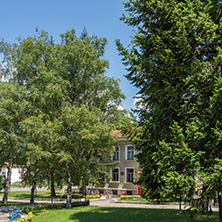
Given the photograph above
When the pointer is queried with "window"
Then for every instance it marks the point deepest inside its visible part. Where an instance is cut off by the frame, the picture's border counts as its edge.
(115, 193)
(130, 152)
(129, 175)
(116, 154)
(115, 174)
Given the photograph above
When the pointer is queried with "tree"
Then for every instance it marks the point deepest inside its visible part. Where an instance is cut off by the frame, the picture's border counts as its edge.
(65, 76)
(84, 138)
(2, 182)
(175, 61)
(13, 110)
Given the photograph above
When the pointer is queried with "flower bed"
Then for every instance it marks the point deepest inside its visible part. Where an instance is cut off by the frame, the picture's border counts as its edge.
(124, 194)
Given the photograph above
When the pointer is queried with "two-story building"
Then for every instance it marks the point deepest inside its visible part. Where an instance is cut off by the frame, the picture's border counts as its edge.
(124, 173)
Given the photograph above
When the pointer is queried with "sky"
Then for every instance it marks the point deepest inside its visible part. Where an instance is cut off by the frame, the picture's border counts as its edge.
(100, 17)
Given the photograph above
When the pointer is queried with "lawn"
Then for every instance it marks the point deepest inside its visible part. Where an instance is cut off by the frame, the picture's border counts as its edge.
(13, 204)
(108, 214)
(45, 194)
(26, 194)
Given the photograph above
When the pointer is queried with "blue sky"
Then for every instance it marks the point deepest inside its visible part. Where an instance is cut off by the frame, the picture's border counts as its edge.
(100, 17)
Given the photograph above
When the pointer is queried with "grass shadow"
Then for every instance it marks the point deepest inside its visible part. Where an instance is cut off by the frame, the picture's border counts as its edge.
(109, 214)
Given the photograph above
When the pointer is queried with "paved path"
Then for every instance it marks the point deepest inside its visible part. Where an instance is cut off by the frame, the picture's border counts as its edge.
(4, 212)
(112, 203)
(3, 217)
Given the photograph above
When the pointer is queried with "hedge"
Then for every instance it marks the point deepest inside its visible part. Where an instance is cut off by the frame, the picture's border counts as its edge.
(29, 218)
(51, 206)
(88, 197)
(129, 197)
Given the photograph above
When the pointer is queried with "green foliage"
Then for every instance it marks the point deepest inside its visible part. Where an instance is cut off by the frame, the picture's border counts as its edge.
(2, 183)
(51, 206)
(127, 197)
(29, 218)
(88, 197)
(175, 61)
(72, 107)
(13, 110)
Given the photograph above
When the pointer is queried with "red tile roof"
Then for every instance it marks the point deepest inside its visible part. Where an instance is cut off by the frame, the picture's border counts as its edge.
(118, 133)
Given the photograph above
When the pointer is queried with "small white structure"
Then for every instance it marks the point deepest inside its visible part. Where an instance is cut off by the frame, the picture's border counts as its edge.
(16, 173)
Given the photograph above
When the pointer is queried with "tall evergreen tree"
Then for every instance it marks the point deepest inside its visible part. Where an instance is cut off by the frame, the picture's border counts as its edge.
(175, 61)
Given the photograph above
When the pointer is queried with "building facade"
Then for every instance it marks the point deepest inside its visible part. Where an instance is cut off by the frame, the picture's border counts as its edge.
(126, 169)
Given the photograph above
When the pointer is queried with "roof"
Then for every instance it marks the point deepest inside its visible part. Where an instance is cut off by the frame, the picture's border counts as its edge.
(119, 134)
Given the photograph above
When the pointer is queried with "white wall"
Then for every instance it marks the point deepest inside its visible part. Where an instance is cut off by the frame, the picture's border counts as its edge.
(15, 174)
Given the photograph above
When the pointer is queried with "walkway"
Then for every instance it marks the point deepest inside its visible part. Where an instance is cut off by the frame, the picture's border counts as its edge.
(113, 203)
(3, 217)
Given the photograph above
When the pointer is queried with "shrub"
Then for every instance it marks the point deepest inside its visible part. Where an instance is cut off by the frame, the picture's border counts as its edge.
(129, 197)
(88, 197)
(51, 206)
(28, 209)
(78, 204)
(2, 182)
(29, 218)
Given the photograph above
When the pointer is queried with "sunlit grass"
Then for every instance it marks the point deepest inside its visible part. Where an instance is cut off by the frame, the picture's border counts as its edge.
(43, 194)
(108, 214)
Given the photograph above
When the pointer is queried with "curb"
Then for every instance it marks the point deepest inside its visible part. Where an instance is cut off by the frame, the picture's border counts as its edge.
(150, 203)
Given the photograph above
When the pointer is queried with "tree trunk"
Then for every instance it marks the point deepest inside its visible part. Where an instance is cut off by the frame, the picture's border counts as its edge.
(33, 193)
(220, 206)
(204, 209)
(180, 202)
(205, 206)
(53, 193)
(7, 182)
(84, 188)
(69, 190)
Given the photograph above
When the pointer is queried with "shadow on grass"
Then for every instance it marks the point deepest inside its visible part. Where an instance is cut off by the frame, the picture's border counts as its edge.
(135, 215)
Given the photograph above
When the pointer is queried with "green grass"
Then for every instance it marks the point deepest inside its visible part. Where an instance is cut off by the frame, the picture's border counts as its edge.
(108, 214)
(38, 195)
(26, 194)
(15, 185)
(13, 204)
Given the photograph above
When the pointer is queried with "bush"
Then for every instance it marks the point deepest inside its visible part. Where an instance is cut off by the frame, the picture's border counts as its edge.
(78, 204)
(28, 209)
(2, 182)
(129, 197)
(42, 207)
(29, 218)
(88, 197)
(51, 206)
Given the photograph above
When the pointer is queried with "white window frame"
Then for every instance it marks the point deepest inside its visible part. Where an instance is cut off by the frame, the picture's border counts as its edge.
(126, 152)
(131, 168)
(118, 152)
(112, 175)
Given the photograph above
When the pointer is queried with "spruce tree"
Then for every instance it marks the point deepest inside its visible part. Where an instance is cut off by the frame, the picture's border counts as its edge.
(175, 61)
